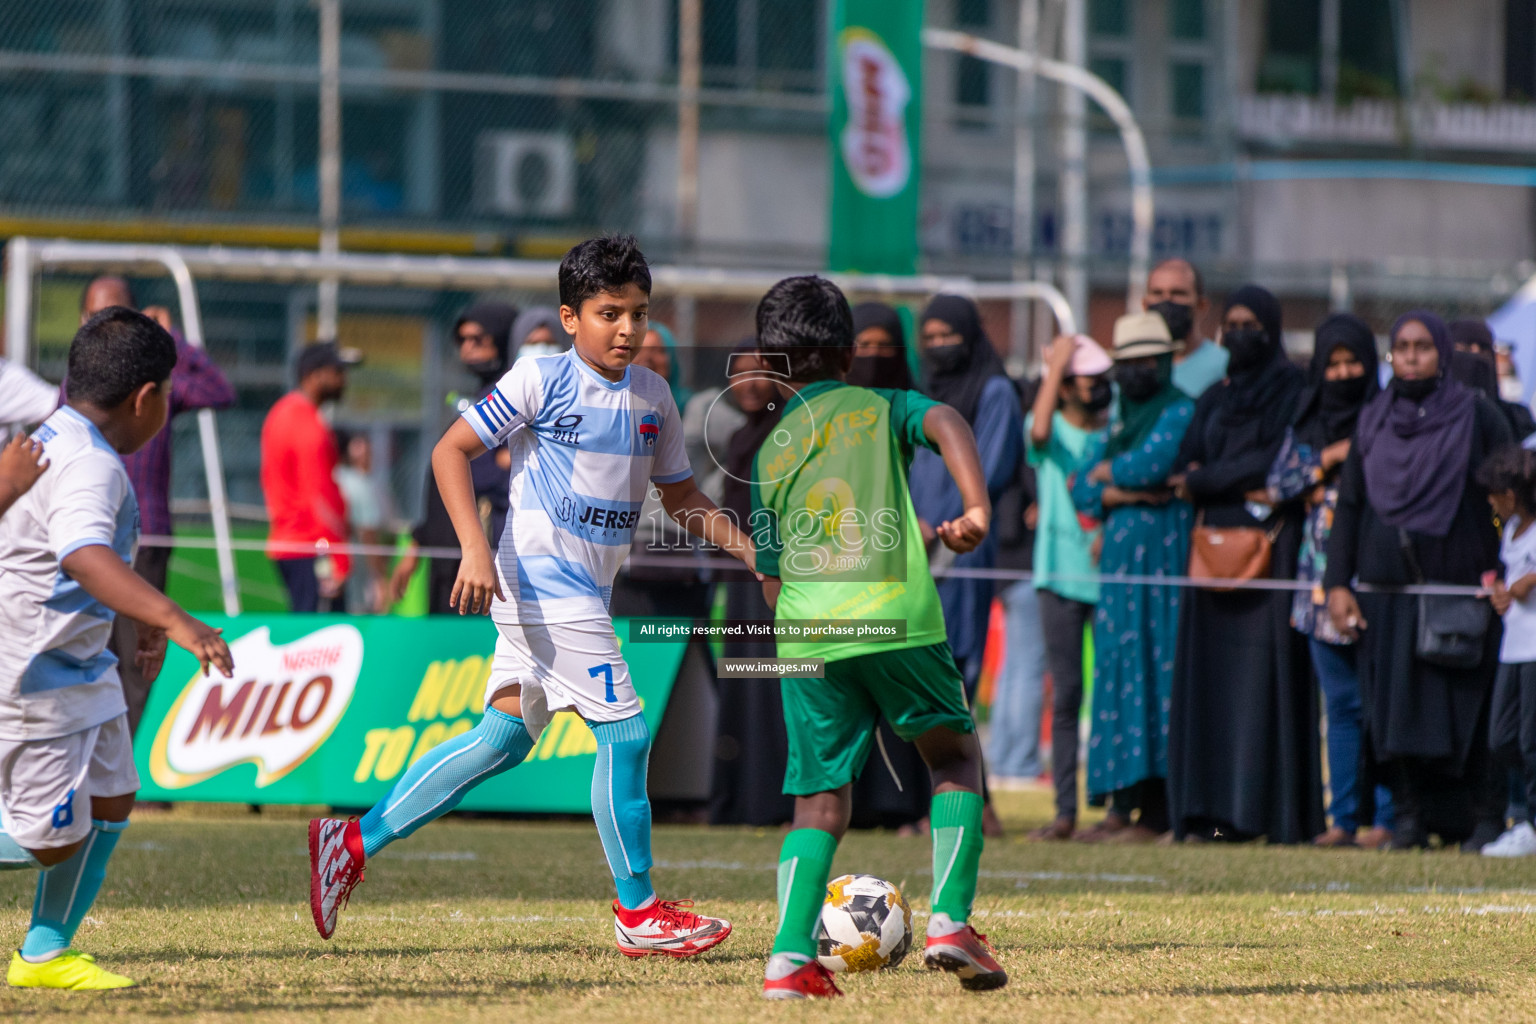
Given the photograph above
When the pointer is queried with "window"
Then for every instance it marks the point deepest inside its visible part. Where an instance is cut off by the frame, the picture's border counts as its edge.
(759, 44)
(1292, 46)
(1109, 17)
(973, 77)
(1367, 50)
(1520, 50)
(1112, 70)
(1365, 63)
(1186, 19)
(1188, 90)
(973, 82)
(973, 13)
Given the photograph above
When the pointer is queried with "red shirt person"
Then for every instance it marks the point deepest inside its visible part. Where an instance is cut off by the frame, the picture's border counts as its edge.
(298, 460)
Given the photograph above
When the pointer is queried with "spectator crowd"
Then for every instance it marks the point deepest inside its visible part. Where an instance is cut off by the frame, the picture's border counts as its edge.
(1240, 597)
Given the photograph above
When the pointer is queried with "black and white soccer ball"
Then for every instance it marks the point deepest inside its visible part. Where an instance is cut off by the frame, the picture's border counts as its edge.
(866, 925)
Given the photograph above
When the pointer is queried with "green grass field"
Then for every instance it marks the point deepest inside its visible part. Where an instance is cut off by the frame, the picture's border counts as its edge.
(490, 920)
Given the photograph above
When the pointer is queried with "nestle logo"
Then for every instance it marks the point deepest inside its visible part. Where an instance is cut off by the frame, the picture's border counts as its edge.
(318, 657)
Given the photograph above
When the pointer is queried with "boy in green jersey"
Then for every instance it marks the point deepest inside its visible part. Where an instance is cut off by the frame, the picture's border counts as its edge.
(834, 528)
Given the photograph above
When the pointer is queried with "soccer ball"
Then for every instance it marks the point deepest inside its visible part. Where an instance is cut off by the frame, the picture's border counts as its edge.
(866, 925)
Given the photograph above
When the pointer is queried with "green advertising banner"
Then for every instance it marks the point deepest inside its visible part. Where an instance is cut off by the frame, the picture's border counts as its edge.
(326, 709)
(875, 71)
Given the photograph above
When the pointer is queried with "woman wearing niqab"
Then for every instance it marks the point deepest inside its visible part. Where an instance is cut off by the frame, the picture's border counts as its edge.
(1408, 495)
(1243, 734)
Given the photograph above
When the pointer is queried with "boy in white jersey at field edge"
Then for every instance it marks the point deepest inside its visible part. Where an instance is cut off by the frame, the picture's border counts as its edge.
(588, 434)
(67, 779)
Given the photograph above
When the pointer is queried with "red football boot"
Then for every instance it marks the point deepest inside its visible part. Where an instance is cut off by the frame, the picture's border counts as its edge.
(335, 868)
(964, 952)
(809, 980)
(666, 928)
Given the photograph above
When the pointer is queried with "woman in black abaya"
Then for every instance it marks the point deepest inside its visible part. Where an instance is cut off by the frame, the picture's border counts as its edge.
(751, 746)
(1410, 479)
(1243, 757)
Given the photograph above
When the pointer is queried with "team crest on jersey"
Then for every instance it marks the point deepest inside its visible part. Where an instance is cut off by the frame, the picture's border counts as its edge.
(650, 429)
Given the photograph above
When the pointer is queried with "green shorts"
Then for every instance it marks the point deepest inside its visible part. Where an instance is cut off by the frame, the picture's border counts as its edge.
(831, 721)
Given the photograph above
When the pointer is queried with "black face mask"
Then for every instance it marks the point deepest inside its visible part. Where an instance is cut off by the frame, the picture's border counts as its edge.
(879, 372)
(1246, 348)
(1414, 390)
(1179, 317)
(487, 370)
(947, 358)
(1344, 394)
(1138, 383)
(1100, 394)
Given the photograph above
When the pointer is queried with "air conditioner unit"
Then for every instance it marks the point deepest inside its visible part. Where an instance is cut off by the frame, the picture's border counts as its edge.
(525, 174)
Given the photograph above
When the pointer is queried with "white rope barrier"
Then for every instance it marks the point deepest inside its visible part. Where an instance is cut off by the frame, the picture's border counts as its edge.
(703, 562)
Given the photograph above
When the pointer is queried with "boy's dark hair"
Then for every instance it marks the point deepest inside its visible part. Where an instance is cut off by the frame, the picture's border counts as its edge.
(1511, 468)
(116, 352)
(601, 265)
(808, 320)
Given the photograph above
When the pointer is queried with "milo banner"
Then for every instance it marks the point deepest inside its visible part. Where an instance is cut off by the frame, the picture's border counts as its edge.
(876, 87)
(327, 709)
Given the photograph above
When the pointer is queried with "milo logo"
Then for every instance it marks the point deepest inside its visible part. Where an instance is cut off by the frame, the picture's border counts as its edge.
(278, 709)
(874, 141)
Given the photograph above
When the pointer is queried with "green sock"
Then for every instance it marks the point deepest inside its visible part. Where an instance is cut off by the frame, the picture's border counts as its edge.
(956, 824)
(805, 862)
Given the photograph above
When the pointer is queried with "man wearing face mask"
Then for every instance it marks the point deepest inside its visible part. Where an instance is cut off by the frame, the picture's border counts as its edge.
(1176, 292)
(1073, 403)
(483, 333)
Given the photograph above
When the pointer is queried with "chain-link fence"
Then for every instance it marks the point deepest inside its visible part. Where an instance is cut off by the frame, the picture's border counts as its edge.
(519, 126)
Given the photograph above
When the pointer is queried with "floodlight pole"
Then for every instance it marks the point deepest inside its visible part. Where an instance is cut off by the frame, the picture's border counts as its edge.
(330, 162)
(1102, 93)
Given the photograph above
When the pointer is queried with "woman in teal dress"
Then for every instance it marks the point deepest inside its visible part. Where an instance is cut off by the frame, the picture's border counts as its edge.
(1123, 483)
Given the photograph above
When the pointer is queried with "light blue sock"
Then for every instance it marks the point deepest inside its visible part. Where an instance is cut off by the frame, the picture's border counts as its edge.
(66, 892)
(621, 808)
(438, 780)
(13, 857)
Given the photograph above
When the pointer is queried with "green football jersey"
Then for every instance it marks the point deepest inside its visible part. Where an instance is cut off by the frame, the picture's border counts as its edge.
(833, 519)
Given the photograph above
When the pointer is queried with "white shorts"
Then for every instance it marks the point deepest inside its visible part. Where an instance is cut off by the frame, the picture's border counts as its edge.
(46, 785)
(563, 666)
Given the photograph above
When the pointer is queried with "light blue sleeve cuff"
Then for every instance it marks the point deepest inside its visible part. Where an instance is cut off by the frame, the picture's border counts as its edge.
(76, 545)
(672, 478)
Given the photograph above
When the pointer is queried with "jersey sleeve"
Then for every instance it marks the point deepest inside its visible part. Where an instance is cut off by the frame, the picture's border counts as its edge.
(512, 403)
(24, 396)
(907, 411)
(763, 528)
(82, 509)
(671, 463)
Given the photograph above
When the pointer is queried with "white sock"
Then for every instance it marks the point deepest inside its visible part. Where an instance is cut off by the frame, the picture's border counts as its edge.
(782, 965)
(940, 925)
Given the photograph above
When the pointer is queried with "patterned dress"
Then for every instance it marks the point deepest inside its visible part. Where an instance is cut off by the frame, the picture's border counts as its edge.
(1135, 627)
(1298, 469)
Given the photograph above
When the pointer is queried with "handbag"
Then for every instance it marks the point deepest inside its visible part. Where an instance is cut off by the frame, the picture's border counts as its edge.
(1230, 552)
(1451, 628)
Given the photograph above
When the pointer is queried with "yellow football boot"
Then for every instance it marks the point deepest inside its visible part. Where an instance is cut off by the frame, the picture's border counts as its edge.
(71, 969)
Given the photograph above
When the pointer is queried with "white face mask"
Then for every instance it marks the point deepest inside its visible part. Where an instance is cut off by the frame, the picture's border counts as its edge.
(539, 348)
(1510, 389)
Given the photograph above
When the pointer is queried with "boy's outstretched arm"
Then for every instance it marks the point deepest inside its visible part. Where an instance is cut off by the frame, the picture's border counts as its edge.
(477, 579)
(21, 463)
(949, 432)
(104, 575)
(691, 509)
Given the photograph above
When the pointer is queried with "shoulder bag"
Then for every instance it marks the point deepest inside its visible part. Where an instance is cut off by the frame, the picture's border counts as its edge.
(1451, 628)
(1230, 552)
